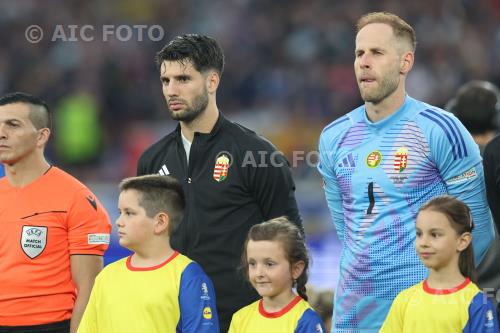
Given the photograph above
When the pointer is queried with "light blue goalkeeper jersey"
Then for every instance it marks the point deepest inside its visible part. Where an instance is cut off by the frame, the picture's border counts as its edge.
(376, 176)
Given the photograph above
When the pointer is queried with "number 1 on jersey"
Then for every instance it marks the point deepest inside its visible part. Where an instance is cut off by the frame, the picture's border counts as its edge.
(371, 197)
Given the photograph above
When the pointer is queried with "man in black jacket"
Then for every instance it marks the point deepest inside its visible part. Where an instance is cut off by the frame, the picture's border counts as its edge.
(477, 105)
(491, 161)
(232, 177)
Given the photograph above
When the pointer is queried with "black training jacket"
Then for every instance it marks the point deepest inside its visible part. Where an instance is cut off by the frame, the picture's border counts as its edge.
(235, 179)
(488, 271)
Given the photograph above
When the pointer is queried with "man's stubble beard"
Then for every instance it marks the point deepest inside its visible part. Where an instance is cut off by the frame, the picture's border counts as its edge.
(387, 86)
(199, 105)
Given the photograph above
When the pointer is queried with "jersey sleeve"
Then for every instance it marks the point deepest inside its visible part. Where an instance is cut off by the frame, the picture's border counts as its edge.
(458, 160)
(197, 302)
(394, 322)
(482, 316)
(331, 186)
(273, 187)
(310, 323)
(474, 195)
(88, 324)
(88, 225)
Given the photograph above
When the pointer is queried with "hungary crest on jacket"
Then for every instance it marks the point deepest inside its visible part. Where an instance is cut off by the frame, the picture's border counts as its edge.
(221, 168)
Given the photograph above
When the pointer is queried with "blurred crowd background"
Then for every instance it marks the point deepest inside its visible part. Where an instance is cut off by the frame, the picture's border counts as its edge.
(289, 72)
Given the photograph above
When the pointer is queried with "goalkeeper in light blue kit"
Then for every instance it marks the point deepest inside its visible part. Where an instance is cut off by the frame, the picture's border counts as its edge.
(380, 163)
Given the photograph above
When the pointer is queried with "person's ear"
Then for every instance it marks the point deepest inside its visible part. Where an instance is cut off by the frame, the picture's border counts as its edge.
(212, 81)
(162, 221)
(43, 136)
(464, 241)
(406, 64)
(297, 269)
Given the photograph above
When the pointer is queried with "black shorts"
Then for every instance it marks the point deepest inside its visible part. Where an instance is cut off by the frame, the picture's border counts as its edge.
(59, 327)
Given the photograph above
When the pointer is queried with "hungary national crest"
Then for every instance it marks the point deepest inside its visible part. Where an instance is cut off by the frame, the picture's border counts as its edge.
(401, 159)
(222, 164)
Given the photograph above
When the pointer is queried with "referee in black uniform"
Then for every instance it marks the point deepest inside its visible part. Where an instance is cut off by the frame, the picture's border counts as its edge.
(232, 177)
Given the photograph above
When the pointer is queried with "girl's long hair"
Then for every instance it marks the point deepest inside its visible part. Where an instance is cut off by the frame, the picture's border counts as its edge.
(460, 217)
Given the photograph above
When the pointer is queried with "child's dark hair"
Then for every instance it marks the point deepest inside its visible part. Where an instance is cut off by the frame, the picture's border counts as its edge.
(158, 194)
(460, 217)
(281, 229)
(202, 51)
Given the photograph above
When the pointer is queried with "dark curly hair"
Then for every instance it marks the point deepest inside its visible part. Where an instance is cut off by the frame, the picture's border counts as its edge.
(202, 51)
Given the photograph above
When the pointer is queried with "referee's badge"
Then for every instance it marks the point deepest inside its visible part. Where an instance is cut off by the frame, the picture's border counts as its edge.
(222, 164)
(33, 240)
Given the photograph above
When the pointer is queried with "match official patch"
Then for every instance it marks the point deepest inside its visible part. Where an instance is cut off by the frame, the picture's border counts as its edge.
(33, 240)
(98, 239)
(467, 175)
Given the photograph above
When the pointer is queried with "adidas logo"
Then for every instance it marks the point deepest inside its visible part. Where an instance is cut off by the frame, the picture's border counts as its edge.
(164, 171)
(347, 162)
